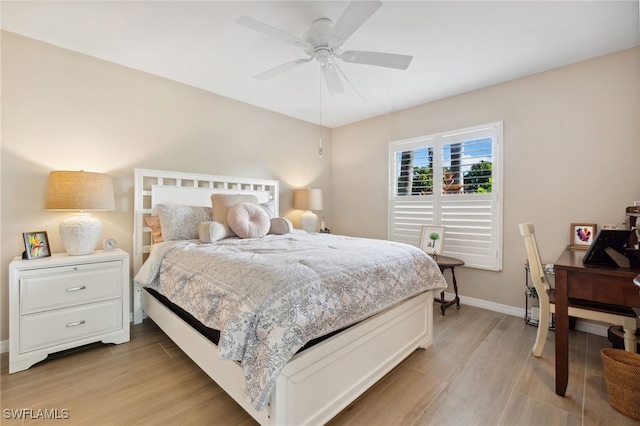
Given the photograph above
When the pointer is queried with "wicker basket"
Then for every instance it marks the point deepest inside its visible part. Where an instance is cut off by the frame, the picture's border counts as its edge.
(622, 375)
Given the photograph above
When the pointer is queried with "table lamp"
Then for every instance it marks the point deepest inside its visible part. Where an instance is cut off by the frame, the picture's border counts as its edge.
(81, 191)
(308, 199)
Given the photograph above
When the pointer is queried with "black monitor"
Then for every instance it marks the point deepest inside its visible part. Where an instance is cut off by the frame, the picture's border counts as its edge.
(608, 247)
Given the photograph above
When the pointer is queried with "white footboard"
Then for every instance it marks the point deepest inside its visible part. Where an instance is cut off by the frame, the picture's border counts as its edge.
(321, 381)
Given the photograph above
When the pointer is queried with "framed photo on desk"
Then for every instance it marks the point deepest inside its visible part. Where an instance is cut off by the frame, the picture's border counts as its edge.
(582, 235)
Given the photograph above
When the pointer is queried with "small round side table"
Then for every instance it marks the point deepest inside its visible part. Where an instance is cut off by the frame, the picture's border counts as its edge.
(446, 262)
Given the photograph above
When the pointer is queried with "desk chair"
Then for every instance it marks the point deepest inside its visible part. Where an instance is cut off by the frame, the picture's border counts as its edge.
(596, 312)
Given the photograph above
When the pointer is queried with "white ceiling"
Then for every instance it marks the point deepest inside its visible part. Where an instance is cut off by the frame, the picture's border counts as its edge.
(457, 46)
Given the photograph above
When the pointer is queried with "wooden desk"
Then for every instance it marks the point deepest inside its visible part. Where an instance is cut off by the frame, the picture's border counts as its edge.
(596, 284)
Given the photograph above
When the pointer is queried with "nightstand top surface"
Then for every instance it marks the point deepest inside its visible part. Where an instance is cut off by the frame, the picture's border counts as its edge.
(57, 259)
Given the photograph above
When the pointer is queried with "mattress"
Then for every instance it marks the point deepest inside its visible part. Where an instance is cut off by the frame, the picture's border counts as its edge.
(213, 335)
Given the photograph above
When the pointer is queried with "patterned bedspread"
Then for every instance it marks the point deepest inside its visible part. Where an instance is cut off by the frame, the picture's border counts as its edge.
(271, 295)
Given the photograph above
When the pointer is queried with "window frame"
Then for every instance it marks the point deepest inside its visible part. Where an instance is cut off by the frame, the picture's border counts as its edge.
(430, 206)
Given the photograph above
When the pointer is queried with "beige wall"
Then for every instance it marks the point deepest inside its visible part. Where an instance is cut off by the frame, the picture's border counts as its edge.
(62, 110)
(571, 154)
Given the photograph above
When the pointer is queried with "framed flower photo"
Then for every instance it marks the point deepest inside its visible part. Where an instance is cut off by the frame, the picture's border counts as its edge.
(36, 244)
(582, 235)
(432, 239)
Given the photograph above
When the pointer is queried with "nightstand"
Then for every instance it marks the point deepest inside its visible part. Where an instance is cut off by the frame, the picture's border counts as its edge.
(62, 301)
(445, 262)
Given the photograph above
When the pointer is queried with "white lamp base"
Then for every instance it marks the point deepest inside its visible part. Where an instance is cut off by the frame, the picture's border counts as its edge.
(309, 221)
(80, 234)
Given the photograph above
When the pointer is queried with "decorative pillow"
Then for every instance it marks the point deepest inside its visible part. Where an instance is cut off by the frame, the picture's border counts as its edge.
(222, 203)
(248, 220)
(270, 208)
(280, 226)
(153, 222)
(180, 222)
(210, 232)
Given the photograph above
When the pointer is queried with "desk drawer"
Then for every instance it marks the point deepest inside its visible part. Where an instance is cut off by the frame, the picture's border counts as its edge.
(610, 289)
(50, 328)
(69, 286)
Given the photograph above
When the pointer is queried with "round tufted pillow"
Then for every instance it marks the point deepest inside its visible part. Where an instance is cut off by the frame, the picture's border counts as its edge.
(248, 220)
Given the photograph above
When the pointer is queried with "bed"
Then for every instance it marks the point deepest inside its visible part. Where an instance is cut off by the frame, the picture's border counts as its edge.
(311, 384)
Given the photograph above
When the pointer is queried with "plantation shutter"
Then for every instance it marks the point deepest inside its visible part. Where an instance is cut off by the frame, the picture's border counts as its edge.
(453, 180)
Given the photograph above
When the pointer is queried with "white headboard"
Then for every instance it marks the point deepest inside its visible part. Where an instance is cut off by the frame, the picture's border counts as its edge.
(152, 187)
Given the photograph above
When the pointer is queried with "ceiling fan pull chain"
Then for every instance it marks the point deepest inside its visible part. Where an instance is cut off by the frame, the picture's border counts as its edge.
(320, 147)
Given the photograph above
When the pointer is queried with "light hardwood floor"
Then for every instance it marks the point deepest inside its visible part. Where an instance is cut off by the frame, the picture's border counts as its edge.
(479, 371)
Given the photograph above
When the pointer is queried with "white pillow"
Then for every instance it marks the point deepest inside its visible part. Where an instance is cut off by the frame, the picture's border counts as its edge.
(248, 220)
(211, 231)
(280, 226)
(222, 203)
(180, 222)
(270, 208)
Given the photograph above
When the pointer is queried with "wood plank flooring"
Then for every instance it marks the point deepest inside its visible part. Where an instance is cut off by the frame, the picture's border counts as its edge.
(479, 371)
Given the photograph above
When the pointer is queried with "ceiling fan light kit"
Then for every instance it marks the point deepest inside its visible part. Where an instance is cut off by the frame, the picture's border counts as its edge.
(323, 42)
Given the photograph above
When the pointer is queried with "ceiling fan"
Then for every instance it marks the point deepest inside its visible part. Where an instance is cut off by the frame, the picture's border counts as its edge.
(323, 42)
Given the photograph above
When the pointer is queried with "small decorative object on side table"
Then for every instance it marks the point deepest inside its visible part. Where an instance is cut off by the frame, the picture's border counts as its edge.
(446, 262)
(432, 240)
(36, 245)
(109, 244)
(62, 302)
(323, 227)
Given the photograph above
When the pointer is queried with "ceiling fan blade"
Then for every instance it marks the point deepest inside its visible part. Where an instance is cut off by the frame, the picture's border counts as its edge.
(352, 18)
(281, 68)
(389, 60)
(255, 25)
(331, 78)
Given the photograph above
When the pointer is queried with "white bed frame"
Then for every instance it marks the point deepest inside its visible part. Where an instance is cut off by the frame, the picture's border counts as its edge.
(317, 383)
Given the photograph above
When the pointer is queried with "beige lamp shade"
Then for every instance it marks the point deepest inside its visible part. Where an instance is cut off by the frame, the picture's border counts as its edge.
(81, 191)
(308, 199)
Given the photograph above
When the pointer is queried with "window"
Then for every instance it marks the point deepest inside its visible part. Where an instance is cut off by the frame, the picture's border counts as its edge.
(452, 179)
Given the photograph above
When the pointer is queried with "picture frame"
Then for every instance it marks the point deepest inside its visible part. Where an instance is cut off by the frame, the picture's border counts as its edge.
(582, 235)
(36, 245)
(432, 239)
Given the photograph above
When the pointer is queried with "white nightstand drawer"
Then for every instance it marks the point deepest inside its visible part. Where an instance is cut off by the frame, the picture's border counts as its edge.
(46, 329)
(67, 286)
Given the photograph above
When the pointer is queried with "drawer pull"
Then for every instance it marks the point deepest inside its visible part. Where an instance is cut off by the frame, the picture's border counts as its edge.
(74, 324)
(81, 287)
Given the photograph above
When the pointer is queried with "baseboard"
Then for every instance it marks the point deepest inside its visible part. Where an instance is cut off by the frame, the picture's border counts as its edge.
(490, 306)
(581, 325)
(586, 326)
